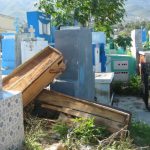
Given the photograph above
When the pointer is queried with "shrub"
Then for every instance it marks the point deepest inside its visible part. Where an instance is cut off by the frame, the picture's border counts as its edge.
(61, 128)
(132, 87)
(82, 131)
(140, 132)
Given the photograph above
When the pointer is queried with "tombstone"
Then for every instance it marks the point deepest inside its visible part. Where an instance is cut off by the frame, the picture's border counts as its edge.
(136, 36)
(78, 78)
(11, 119)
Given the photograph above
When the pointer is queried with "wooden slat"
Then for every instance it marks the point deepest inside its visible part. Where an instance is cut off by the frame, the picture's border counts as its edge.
(32, 76)
(37, 86)
(112, 126)
(25, 67)
(58, 99)
(48, 49)
(31, 70)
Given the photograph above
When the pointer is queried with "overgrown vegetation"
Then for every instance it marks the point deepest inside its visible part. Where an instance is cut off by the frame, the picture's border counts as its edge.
(140, 132)
(81, 133)
(123, 144)
(61, 129)
(32, 136)
(35, 132)
(132, 87)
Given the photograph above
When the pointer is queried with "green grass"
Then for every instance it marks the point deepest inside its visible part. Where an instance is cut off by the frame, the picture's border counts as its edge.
(83, 132)
(140, 132)
(62, 129)
(34, 133)
(139, 136)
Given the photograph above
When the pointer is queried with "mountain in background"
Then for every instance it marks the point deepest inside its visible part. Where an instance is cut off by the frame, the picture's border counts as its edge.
(17, 8)
(135, 9)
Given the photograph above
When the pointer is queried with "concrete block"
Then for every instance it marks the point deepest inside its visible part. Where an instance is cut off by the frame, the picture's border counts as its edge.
(103, 87)
(76, 47)
(11, 121)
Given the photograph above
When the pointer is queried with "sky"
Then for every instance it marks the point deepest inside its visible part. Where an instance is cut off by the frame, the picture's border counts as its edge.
(16, 8)
(138, 9)
(135, 9)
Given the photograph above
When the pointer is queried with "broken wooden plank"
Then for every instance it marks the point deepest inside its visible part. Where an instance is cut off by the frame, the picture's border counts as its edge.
(114, 119)
(31, 77)
(115, 126)
(59, 99)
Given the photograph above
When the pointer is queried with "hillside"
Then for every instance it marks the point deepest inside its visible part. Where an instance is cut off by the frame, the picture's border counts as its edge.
(135, 9)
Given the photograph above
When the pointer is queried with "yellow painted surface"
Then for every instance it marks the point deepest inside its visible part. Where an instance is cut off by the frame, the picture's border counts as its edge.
(7, 23)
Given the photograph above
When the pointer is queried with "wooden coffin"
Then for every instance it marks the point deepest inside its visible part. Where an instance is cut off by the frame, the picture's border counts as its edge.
(31, 77)
(113, 119)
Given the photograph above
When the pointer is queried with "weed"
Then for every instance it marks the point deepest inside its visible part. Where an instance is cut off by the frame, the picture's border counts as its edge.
(34, 132)
(134, 84)
(85, 130)
(61, 128)
(140, 132)
(124, 144)
(82, 131)
(132, 87)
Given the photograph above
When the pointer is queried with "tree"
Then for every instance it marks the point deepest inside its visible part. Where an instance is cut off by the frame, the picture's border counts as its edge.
(100, 14)
(123, 41)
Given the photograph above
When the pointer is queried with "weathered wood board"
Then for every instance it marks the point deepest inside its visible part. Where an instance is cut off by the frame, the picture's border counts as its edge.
(31, 77)
(113, 119)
